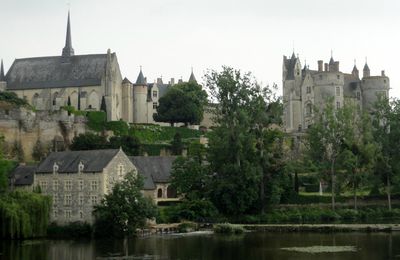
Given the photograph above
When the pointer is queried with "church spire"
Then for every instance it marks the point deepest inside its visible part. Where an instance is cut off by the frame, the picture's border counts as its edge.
(2, 78)
(192, 78)
(68, 50)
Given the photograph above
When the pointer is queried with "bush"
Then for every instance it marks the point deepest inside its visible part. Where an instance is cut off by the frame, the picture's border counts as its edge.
(187, 227)
(12, 98)
(118, 127)
(227, 228)
(96, 120)
(194, 210)
(73, 230)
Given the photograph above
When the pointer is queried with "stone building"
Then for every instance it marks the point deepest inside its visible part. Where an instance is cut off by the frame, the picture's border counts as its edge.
(304, 89)
(84, 82)
(157, 173)
(78, 180)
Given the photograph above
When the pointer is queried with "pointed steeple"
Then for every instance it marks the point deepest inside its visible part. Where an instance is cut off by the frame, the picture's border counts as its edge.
(68, 50)
(2, 77)
(140, 79)
(355, 71)
(366, 71)
(192, 78)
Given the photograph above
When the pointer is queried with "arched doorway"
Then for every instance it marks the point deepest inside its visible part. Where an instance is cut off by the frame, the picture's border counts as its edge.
(159, 193)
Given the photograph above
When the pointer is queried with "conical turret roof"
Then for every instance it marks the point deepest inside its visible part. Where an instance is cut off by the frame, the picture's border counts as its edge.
(192, 78)
(140, 79)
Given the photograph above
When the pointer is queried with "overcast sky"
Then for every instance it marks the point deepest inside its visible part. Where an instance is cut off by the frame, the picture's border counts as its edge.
(168, 37)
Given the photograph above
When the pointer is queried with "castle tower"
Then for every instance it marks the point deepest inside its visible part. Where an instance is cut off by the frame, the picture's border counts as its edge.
(140, 99)
(355, 71)
(127, 100)
(366, 71)
(192, 78)
(3, 83)
(68, 51)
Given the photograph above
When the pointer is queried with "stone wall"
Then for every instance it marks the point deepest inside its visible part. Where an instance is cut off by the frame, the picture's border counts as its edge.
(25, 127)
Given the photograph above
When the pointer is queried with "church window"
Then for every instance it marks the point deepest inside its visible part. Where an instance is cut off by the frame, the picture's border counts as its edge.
(308, 109)
(155, 105)
(337, 91)
(154, 93)
(308, 90)
(358, 95)
(337, 105)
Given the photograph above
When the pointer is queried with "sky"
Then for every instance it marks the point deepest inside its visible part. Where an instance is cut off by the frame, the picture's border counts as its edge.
(169, 37)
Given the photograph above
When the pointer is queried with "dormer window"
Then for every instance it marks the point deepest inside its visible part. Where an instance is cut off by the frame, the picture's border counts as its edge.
(80, 167)
(154, 93)
(55, 167)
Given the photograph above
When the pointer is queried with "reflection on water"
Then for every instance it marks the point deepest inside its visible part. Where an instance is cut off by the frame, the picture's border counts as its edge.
(208, 246)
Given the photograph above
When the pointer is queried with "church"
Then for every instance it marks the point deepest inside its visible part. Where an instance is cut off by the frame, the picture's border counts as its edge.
(86, 82)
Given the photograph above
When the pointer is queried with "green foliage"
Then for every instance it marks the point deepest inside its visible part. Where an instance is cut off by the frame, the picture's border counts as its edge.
(229, 229)
(12, 98)
(24, 215)
(17, 152)
(123, 210)
(193, 210)
(187, 227)
(157, 134)
(129, 144)
(71, 110)
(154, 149)
(118, 127)
(177, 145)
(97, 120)
(183, 103)
(89, 141)
(76, 230)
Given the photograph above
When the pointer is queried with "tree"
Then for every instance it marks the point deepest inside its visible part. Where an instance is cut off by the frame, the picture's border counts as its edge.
(103, 106)
(239, 147)
(183, 103)
(39, 151)
(89, 141)
(130, 144)
(326, 139)
(177, 145)
(125, 209)
(386, 132)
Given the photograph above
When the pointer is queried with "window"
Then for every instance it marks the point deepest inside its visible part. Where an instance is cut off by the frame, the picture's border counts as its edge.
(308, 90)
(155, 105)
(159, 193)
(55, 185)
(68, 200)
(43, 185)
(80, 184)
(93, 185)
(55, 168)
(55, 199)
(80, 214)
(337, 105)
(154, 93)
(308, 109)
(338, 76)
(337, 91)
(80, 199)
(68, 214)
(68, 185)
(358, 95)
(93, 199)
(80, 167)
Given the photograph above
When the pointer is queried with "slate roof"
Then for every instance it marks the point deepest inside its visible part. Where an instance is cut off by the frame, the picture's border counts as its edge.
(192, 77)
(154, 169)
(23, 175)
(68, 161)
(53, 72)
(140, 79)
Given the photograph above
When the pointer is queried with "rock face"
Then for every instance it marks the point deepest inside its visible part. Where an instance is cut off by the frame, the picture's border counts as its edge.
(26, 127)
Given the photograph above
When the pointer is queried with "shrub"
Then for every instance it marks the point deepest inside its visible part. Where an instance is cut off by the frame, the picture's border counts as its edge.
(227, 228)
(118, 127)
(96, 120)
(187, 227)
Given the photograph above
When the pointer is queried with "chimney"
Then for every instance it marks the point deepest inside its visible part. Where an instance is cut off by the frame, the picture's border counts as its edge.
(383, 73)
(172, 82)
(326, 67)
(320, 65)
(336, 66)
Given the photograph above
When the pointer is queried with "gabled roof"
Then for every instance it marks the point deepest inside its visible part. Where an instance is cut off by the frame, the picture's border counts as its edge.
(126, 80)
(68, 161)
(52, 72)
(23, 175)
(155, 169)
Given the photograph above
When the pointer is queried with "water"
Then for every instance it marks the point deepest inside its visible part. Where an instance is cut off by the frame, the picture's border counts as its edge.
(256, 245)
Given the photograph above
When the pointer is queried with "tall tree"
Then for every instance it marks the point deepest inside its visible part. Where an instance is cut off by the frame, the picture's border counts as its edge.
(183, 103)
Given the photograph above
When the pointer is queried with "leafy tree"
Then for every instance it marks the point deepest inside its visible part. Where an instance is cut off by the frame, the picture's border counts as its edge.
(177, 145)
(39, 151)
(125, 209)
(17, 151)
(130, 144)
(386, 132)
(89, 141)
(183, 102)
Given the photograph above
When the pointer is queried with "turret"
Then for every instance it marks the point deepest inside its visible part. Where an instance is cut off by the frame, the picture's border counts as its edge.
(140, 99)
(3, 83)
(366, 71)
(192, 78)
(355, 71)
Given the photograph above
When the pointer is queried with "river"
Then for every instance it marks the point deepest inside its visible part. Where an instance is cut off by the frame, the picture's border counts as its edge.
(253, 245)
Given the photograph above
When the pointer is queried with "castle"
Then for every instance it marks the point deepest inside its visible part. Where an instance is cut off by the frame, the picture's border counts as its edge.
(86, 82)
(304, 89)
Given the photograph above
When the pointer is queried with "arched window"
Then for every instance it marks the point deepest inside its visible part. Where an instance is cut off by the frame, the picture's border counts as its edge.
(94, 101)
(308, 109)
(159, 193)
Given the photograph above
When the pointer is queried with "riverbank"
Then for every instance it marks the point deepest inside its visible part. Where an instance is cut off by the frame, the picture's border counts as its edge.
(322, 228)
